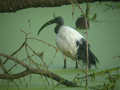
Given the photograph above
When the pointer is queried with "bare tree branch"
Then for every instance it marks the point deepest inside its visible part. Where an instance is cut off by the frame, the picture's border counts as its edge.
(15, 60)
(15, 76)
(14, 5)
(30, 70)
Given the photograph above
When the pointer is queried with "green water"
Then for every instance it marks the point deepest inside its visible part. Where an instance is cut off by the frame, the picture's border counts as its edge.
(104, 38)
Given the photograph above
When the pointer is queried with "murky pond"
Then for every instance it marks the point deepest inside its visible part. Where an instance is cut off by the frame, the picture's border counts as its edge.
(103, 36)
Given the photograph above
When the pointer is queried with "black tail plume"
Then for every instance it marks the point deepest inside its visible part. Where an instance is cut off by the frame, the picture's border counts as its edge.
(82, 53)
(92, 58)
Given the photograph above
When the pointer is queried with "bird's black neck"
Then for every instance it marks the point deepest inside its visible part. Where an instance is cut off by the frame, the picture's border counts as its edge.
(57, 28)
(59, 21)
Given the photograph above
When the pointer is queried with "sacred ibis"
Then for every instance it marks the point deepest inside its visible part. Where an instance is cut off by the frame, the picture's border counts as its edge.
(70, 42)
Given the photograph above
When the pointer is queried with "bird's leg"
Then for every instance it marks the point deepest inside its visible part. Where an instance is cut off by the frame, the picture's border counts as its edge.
(65, 61)
(76, 66)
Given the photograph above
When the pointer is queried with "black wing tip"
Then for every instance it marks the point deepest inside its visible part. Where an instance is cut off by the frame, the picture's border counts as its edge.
(94, 62)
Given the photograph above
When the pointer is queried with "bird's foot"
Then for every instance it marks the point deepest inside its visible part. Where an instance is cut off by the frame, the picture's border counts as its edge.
(76, 66)
(65, 63)
(65, 66)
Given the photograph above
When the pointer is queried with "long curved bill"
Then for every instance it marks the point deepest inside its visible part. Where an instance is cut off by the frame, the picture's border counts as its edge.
(46, 24)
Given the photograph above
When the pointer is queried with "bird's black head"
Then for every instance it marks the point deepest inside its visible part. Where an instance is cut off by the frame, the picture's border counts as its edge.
(58, 20)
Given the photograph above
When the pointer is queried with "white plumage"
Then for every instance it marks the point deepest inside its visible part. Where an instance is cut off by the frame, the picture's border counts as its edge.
(66, 41)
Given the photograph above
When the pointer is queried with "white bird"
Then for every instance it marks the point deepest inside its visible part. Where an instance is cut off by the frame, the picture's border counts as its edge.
(70, 42)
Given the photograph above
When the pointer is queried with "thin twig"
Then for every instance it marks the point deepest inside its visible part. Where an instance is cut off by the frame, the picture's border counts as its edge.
(15, 60)
(87, 55)
(2, 67)
(50, 45)
(87, 58)
(40, 55)
(80, 7)
(15, 52)
(29, 58)
(17, 63)
(33, 38)
(101, 72)
(71, 1)
(12, 67)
